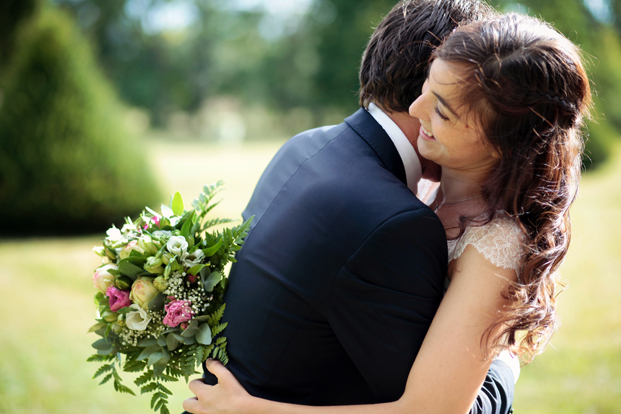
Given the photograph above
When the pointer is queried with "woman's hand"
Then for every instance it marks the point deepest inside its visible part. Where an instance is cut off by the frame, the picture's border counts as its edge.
(227, 397)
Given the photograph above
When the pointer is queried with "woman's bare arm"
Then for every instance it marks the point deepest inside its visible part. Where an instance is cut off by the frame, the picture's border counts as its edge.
(446, 376)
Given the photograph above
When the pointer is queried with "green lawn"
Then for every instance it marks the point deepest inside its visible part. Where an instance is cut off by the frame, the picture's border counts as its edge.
(47, 301)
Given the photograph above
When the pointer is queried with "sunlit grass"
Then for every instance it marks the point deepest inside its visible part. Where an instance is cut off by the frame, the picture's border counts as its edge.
(46, 305)
(581, 371)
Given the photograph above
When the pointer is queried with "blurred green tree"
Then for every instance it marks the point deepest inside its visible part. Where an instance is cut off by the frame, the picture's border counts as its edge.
(67, 163)
(311, 65)
(12, 14)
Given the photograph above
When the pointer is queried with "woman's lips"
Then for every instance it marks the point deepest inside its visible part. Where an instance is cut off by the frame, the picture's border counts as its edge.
(426, 134)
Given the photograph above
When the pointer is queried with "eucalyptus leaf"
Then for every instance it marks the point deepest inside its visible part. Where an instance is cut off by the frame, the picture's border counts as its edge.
(203, 336)
(146, 342)
(189, 333)
(148, 351)
(129, 269)
(157, 302)
(178, 337)
(212, 280)
(161, 341)
(101, 331)
(202, 318)
(165, 357)
(158, 368)
(172, 342)
(102, 344)
(190, 340)
(105, 351)
(154, 357)
(97, 326)
(177, 204)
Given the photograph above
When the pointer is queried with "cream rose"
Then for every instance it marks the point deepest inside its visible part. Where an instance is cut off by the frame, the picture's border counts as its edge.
(102, 279)
(137, 320)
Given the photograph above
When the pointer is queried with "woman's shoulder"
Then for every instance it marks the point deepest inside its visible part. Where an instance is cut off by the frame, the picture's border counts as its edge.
(501, 241)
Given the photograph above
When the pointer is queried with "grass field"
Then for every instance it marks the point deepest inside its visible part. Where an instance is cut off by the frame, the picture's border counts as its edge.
(47, 301)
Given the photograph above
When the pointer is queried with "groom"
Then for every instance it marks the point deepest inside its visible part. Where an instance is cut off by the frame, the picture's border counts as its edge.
(343, 268)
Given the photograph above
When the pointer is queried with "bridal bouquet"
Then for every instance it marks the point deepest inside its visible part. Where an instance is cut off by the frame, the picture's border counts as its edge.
(160, 295)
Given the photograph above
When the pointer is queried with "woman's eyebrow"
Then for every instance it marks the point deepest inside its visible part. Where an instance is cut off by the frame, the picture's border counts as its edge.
(445, 104)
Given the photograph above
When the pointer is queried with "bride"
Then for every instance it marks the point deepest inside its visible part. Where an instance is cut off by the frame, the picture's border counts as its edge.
(501, 113)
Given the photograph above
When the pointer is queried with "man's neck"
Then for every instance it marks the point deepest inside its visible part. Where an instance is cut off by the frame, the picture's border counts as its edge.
(408, 124)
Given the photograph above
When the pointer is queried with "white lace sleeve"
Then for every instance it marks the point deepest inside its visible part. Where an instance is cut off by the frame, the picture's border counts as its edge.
(500, 241)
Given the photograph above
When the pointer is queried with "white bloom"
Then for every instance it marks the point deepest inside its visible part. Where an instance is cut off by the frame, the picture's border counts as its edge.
(194, 258)
(102, 279)
(138, 319)
(100, 251)
(114, 234)
(128, 228)
(167, 211)
(177, 245)
(162, 233)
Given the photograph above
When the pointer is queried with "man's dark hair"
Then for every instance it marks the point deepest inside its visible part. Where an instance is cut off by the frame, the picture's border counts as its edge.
(394, 64)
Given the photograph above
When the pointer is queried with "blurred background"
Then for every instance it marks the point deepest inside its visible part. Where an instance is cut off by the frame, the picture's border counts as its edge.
(110, 105)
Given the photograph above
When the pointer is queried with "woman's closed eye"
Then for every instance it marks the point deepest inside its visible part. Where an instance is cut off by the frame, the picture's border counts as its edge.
(441, 115)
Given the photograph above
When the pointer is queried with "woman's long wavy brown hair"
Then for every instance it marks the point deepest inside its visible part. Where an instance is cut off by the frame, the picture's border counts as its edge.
(529, 91)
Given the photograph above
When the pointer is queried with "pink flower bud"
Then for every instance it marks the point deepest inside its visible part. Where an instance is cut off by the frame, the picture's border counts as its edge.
(118, 298)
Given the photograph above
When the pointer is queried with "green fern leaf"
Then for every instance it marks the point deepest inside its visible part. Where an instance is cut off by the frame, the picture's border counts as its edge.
(102, 369)
(106, 379)
(148, 388)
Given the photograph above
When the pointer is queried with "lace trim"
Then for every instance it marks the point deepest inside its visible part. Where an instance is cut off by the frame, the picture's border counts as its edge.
(500, 241)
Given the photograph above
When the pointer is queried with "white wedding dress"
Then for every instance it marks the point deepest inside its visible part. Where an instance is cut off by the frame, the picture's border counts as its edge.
(502, 243)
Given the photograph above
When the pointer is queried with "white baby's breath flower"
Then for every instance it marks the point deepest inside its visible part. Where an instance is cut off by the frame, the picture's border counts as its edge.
(138, 319)
(177, 245)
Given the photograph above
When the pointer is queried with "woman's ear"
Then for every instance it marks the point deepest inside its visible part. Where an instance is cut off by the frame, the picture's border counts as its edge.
(496, 153)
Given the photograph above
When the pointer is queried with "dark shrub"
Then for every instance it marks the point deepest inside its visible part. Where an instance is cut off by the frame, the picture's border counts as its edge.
(67, 163)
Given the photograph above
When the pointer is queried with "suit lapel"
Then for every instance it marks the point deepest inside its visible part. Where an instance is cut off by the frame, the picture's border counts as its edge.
(367, 127)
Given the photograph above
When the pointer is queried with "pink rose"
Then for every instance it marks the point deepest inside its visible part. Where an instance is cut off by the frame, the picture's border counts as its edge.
(177, 312)
(118, 298)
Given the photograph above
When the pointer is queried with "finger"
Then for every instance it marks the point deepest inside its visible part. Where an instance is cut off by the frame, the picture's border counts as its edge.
(196, 385)
(217, 369)
(191, 405)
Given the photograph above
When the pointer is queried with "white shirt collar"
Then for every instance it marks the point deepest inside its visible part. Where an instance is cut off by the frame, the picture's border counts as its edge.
(408, 155)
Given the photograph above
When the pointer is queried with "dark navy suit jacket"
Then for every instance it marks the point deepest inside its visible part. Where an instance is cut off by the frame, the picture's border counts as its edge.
(340, 276)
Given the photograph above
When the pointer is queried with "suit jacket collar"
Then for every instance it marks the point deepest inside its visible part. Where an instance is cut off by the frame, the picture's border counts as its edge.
(367, 127)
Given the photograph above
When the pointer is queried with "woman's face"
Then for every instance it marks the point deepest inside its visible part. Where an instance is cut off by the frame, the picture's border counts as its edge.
(449, 134)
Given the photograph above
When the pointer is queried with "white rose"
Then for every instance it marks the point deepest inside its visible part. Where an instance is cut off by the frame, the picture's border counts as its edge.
(138, 319)
(177, 245)
(114, 234)
(194, 258)
(128, 228)
(162, 234)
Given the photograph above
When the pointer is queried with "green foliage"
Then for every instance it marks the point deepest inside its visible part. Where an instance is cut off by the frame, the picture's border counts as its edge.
(67, 164)
(12, 14)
